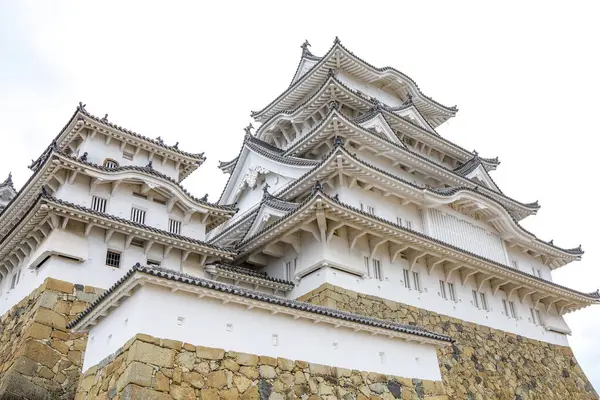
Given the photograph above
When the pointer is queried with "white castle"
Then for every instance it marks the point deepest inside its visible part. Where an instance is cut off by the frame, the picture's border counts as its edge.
(345, 182)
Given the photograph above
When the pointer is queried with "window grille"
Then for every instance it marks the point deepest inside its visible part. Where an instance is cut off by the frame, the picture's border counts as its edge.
(110, 163)
(98, 204)
(406, 279)
(127, 155)
(484, 304)
(417, 281)
(513, 312)
(175, 226)
(505, 308)
(451, 292)
(371, 210)
(153, 263)
(533, 316)
(138, 215)
(514, 264)
(443, 289)
(399, 221)
(113, 259)
(13, 283)
(290, 269)
(475, 299)
(377, 270)
(539, 317)
(408, 224)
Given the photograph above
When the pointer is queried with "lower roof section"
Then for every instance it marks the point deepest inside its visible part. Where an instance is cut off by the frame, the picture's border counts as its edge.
(145, 275)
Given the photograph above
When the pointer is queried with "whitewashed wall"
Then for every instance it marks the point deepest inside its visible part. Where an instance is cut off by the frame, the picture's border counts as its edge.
(98, 151)
(155, 311)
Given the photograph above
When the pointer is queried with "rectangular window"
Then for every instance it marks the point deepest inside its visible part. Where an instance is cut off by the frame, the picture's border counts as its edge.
(153, 263)
(13, 283)
(539, 273)
(539, 317)
(174, 226)
(367, 265)
(451, 292)
(370, 210)
(513, 312)
(290, 269)
(137, 242)
(417, 281)
(399, 221)
(127, 155)
(475, 299)
(408, 224)
(531, 311)
(113, 259)
(484, 304)
(505, 308)
(514, 264)
(98, 204)
(377, 270)
(443, 289)
(406, 279)
(138, 215)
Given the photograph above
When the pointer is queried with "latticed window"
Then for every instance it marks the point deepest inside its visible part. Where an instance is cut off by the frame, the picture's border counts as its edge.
(113, 259)
(443, 289)
(451, 292)
(138, 215)
(377, 270)
(406, 278)
(175, 226)
(98, 204)
(417, 281)
(290, 269)
(110, 163)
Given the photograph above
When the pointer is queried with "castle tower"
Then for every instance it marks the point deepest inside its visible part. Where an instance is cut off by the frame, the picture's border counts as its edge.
(350, 202)
(101, 198)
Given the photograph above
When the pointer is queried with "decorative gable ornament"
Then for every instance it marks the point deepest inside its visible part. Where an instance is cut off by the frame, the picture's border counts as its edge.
(250, 179)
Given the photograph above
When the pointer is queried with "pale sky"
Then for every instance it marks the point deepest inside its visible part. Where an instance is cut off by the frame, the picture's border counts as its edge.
(523, 74)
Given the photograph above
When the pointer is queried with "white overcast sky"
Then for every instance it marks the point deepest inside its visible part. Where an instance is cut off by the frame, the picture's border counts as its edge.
(523, 74)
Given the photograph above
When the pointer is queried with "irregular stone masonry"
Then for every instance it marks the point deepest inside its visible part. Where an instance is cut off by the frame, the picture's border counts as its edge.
(39, 357)
(483, 363)
(159, 369)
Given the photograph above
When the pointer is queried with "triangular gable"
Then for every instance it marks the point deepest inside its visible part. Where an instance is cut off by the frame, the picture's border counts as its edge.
(414, 117)
(479, 174)
(380, 127)
(266, 215)
(303, 68)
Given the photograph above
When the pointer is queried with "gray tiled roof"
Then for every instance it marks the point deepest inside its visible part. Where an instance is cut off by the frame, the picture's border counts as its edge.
(264, 297)
(250, 272)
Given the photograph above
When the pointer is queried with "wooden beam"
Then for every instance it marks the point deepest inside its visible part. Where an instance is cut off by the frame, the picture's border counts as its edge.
(353, 237)
(396, 250)
(434, 264)
(322, 224)
(481, 279)
(128, 241)
(273, 250)
(166, 251)
(311, 228)
(375, 245)
(108, 234)
(185, 255)
(293, 240)
(413, 256)
(449, 270)
(148, 246)
(496, 285)
(334, 228)
(526, 292)
(465, 277)
(88, 228)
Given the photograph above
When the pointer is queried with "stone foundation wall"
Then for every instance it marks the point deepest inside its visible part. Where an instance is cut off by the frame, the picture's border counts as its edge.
(39, 357)
(157, 369)
(484, 363)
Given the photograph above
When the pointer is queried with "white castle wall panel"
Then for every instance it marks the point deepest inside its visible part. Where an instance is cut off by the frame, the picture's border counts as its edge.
(207, 322)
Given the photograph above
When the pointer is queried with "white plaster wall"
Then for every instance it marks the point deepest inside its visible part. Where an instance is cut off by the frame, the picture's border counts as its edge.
(119, 204)
(525, 263)
(93, 270)
(369, 90)
(154, 311)
(392, 288)
(98, 151)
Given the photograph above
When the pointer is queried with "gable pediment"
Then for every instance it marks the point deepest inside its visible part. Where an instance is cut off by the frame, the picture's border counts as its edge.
(480, 175)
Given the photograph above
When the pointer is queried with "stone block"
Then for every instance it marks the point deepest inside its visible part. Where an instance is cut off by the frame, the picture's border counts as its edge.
(60, 346)
(268, 361)
(39, 331)
(25, 366)
(161, 382)
(41, 353)
(186, 359)
(216, 379)
(50, 318)
(58, 286)
(209, 353)
(137, 373)
(249, 372)
(183, 393)
(150, 354)
(209, 394)
(318, 369)
(267, 372)
(171, 344)
(135, 392)
(241, 383)
(245, 359)
(284, 364)
(48, 300)
(194, 378)
(15, 386)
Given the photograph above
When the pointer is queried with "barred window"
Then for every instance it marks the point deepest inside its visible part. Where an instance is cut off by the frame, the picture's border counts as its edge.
(406, 278)
(443, 289)
(484, 303)
(417, 281)
(513, 311)
(175, 226)
(290, 269)
(98, 204)
(505, 308)
(113, 258)
(110, 163)
(377, 270)
(475, 299)
(138, 215)
(451, 292)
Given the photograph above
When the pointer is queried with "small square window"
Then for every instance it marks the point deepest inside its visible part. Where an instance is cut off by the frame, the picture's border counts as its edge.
(113, 259)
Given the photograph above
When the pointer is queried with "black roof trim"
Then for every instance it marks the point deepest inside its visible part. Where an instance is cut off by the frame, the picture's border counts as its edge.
(264, 297)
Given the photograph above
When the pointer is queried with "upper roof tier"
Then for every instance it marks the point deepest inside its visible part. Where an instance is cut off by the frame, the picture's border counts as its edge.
(312, 71)
(187, 162)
